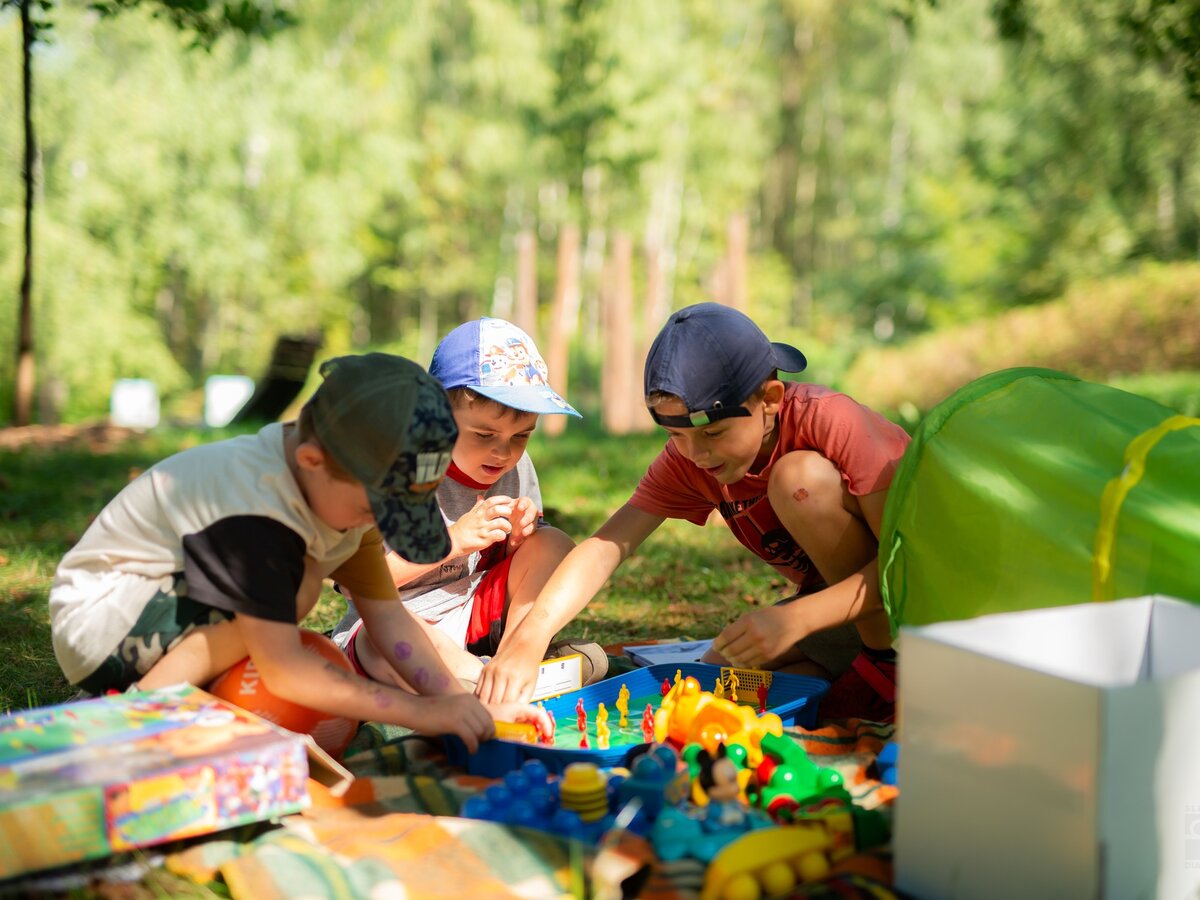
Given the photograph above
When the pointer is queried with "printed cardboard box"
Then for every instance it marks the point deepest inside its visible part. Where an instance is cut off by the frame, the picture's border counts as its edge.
(83, 780)
(1052, 753)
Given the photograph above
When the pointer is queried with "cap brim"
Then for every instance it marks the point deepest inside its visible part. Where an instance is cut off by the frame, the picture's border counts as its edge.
(788, 358)
(527, 398)
(416, 531)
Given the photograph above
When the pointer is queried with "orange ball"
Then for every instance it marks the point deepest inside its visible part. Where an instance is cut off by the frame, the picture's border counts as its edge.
(242, 686)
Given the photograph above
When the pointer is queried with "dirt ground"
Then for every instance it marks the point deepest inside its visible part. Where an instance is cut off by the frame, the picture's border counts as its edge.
(97, 437)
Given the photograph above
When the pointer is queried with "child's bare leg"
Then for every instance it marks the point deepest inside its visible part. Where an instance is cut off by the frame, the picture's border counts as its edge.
(812, 502)
(199, 657)
(532, 565)
(208, 650)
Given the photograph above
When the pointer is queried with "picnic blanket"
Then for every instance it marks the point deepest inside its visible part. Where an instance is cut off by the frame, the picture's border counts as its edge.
(397, 834)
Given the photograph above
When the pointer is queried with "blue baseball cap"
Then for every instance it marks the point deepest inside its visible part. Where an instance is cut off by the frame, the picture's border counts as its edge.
(496, 359)
(713, 357)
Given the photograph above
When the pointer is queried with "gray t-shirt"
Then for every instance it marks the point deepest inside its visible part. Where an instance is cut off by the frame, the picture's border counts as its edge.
(444, 596)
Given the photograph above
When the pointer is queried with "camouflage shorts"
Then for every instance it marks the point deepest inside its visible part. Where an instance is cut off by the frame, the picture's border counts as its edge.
(168, 616)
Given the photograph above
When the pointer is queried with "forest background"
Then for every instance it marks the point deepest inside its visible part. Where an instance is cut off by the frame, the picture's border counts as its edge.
(923, 190)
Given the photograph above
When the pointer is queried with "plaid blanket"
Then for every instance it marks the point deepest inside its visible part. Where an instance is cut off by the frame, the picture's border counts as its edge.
(397, 834)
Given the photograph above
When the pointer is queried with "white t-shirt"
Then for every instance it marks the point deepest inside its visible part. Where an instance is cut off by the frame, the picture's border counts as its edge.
(228, 515)
(444, 596)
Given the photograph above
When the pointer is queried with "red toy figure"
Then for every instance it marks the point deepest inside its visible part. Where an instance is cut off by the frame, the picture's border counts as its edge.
(580, 717)
(762, 697)
(666, 688)
(648, 724)
(583, 742)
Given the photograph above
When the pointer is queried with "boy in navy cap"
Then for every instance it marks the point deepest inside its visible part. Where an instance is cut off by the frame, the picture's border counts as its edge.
(219, 551)
(501, 552)
(800, 475)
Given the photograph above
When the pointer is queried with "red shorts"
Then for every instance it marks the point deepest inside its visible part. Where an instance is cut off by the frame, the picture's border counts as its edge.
(489, 600)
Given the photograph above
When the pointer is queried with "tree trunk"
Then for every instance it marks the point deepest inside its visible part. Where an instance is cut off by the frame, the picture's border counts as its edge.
(563, 309)
(525, 314)
(616, 375)
(25, 377)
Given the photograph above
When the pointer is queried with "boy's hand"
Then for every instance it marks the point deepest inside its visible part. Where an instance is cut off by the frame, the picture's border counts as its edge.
(459, 714)
(757, 639)
(487, 522)
(524, 522)
(509, 677)
(521, 712)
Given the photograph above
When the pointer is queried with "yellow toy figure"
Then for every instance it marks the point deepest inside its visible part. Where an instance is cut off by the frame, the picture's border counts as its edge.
(733, 685)
(678, 674)
(623, 705)
(719, 690)
(602, 730)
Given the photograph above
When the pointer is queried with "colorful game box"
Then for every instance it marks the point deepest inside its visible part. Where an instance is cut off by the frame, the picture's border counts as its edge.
(794, 698)
(86, 779)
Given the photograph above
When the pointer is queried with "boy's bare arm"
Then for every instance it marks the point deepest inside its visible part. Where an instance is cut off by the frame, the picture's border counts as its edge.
(404, 642)
(512, 673)
(291, 673)
(760, 638)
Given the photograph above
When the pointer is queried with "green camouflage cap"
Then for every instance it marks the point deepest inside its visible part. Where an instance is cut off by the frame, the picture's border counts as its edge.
(388, 423)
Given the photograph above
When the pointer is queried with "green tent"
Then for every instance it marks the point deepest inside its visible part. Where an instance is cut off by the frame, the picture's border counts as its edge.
(1030, 488)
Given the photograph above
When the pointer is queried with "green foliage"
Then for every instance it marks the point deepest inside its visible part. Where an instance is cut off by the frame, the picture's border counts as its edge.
(1100, 330)
(906, 166)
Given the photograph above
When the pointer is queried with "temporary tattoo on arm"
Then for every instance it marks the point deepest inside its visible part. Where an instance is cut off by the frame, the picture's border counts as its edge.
(421, 678)
(402, 651)
(800, 495)
(441, 682)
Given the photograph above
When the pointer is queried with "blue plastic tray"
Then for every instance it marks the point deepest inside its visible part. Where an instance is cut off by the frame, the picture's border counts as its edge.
(794, 698)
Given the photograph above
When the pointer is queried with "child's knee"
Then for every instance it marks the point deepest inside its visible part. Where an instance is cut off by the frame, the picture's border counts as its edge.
(547, 543)
(804, 478)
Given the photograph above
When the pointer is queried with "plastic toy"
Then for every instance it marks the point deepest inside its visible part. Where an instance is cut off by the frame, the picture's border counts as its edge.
(761, 691)
(786, 777)
(517, 731)
(888, 762)
(584, 790)
(622, 705)
(242, 685)
(580, 716)
(654, 779)
(689, 715)
(603, 732)
(794, 700)
(648, 723)
(733, 681)
(666, 686)
(719, 690)
(767, 863)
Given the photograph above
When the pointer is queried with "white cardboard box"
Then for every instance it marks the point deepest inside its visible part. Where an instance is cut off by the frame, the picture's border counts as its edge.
(1052, 753)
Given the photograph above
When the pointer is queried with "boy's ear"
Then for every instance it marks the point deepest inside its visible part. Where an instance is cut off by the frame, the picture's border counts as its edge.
(773, 391)
(309, 456)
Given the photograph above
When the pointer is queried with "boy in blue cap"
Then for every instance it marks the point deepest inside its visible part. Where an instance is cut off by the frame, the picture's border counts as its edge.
(800, 475)
(219, 551)
(501, 552)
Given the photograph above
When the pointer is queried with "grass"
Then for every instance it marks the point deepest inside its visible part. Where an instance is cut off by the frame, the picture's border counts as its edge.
(685, 581)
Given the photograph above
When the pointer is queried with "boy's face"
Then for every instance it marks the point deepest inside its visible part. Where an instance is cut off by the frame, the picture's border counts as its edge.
(339, 504)
(490, 440)
(728, 448)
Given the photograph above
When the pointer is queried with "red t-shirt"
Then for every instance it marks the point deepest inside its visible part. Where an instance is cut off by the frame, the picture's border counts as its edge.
(863, 445)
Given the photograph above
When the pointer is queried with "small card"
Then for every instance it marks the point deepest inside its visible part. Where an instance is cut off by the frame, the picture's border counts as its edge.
(667, 654)
(558, 676)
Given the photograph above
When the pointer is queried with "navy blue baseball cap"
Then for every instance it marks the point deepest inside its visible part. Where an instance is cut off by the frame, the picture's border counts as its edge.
(496, 359)
(389, 424)
(713, 357)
